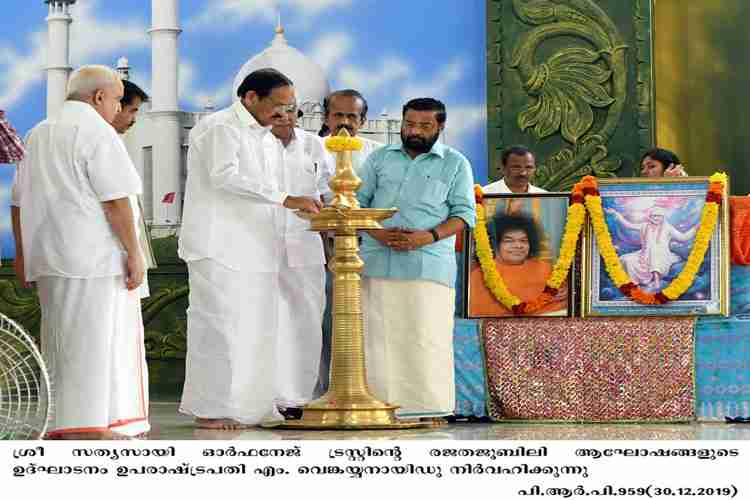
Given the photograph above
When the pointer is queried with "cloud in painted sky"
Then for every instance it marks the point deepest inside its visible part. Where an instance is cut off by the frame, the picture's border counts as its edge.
(238, 12)
(329, 50)
(438, 86)
(197, 97)
(464, 122)
(90, 38)
(369, 80)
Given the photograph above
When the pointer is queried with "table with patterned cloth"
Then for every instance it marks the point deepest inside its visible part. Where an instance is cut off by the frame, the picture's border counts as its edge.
(471, 400)
(590, 370)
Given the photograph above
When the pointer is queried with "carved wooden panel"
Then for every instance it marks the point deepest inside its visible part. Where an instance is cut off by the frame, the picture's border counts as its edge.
(572, 80)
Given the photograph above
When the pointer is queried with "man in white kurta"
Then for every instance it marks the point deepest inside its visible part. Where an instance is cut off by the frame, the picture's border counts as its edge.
(75, 238)
(305, 169)
(234, 241)
(342, 109)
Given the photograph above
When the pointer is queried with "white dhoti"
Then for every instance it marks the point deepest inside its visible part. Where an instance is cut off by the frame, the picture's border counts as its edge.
(300, 338)
(409, 345)
(252, 342)
(92, 341)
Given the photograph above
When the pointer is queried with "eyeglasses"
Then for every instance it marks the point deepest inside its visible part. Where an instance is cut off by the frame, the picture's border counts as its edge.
(289, 109)
(285, 108)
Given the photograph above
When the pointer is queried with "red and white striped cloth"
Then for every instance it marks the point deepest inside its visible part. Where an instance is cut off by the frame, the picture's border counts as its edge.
(11, 146)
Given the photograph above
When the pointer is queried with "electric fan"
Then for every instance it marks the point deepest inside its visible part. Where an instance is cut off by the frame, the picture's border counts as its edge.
(25, 394)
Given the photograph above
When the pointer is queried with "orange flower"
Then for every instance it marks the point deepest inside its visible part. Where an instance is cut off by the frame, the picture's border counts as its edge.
(643, 297)
(589, 182)
(478, 193)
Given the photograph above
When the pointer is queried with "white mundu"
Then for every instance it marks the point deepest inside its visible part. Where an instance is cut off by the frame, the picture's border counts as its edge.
(92, 332)
(243, 249)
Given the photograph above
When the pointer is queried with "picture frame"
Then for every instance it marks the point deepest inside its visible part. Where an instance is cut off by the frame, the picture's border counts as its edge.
(652, 223)
(528, 263)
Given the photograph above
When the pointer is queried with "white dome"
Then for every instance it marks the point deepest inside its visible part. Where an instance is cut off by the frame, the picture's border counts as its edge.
(310, 82)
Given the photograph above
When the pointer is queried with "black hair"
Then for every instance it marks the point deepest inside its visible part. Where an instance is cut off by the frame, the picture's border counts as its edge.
(510, 222)
(345, 93)
(518, 150)
(324, 130)
(262, 82)
(427, 104)
(130, 92)
(664, 156)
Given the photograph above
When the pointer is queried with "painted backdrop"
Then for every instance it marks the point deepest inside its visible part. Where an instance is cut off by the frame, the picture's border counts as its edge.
(389, 49)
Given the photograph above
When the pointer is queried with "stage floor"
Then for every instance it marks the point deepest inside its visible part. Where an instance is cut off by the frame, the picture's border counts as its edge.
(168, 424)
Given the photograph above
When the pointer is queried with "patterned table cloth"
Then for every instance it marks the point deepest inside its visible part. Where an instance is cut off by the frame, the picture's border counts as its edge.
(590, 370)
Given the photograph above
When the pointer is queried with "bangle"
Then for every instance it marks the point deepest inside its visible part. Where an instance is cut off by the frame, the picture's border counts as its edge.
(435, 235)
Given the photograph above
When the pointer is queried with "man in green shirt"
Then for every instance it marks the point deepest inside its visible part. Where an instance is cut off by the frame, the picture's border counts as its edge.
(410, 266)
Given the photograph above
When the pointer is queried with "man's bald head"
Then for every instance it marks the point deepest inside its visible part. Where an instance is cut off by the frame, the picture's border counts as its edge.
(99, 86)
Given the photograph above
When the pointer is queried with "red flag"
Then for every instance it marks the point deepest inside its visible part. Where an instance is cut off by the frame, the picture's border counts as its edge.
(168, 198)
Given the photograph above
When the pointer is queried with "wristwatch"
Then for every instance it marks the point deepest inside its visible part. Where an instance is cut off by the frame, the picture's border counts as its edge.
(434, 234)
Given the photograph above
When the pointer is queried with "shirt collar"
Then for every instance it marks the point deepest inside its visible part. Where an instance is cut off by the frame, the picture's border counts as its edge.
(246, 118)
(295, 138)
(85, 109)
(437, 149)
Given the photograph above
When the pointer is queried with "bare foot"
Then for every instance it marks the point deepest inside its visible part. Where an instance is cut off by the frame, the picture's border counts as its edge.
(220, 424)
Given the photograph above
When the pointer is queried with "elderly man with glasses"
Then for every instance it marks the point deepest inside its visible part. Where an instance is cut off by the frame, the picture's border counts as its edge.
(304, 169)
(242, 256)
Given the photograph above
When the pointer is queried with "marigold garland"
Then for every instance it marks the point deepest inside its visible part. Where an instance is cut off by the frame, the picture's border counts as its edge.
(683, 281)
(338, 144)
(493, 280)
(585, 197)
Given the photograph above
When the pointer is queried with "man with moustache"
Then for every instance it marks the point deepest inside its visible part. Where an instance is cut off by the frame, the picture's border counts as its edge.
(342, 109)
(132, 99)
(347, 109)
(410, 266)
(304, 169)
(234, 241)
(75, 238)
(519, 166)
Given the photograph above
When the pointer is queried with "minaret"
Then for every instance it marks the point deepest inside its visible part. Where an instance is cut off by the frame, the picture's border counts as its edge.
(58, 52)
(166, 168)
(123, 68)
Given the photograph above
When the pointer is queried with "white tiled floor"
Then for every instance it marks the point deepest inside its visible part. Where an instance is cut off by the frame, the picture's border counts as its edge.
(167, 423)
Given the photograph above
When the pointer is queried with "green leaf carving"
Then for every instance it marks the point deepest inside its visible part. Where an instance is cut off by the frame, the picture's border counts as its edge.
(567, 86)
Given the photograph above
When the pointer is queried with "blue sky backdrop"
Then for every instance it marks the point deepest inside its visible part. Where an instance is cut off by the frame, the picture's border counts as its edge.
(391, 50)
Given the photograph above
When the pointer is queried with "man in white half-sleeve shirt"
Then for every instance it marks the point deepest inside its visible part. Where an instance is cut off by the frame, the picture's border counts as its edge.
(132, 99)
(75, 238)
(233, 241)
(519, 166)
(305, 169)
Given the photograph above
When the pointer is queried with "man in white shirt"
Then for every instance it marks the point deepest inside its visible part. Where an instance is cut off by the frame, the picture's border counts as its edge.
(305, 169)
(234, 241)
(132, 99)
(75, 238)
(347, 109)
(519, 166)
(342, 109)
